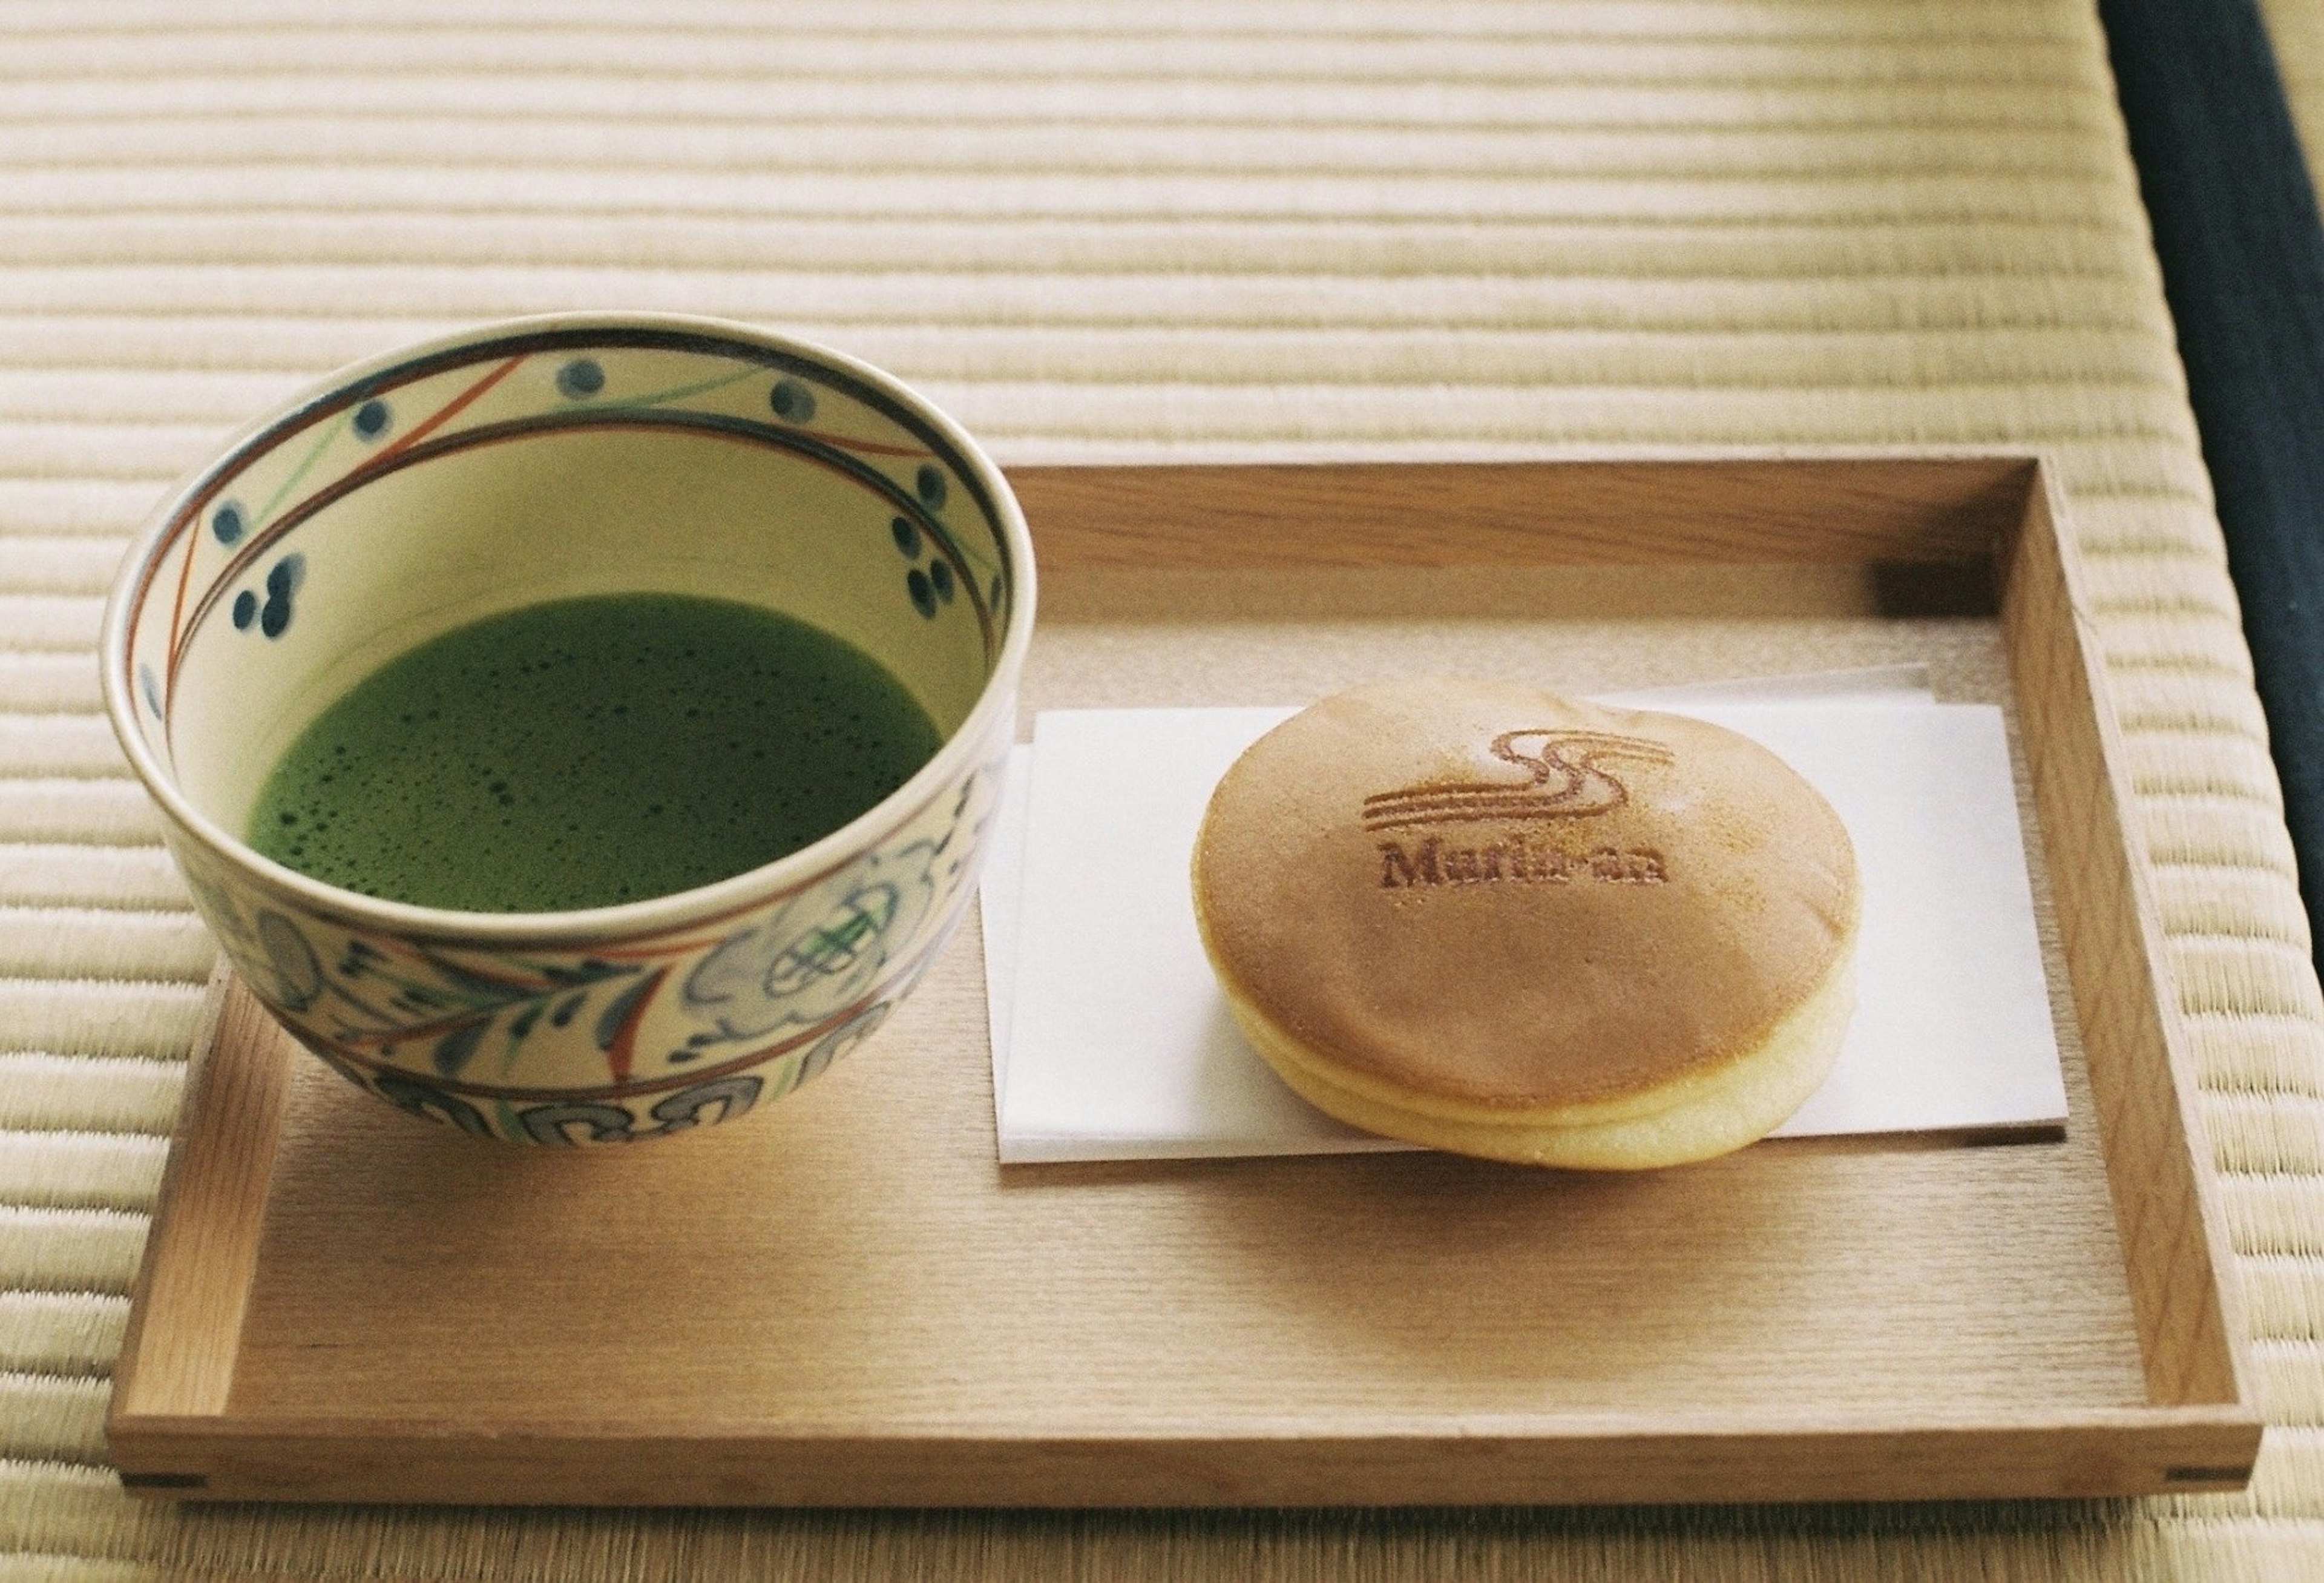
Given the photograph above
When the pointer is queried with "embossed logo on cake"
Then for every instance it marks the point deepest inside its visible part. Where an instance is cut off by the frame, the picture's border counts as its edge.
(1515, 860)
(1567, 779)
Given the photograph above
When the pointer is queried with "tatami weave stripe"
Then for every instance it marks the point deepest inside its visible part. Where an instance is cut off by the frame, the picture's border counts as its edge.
(1201, 230)
(2296, 27)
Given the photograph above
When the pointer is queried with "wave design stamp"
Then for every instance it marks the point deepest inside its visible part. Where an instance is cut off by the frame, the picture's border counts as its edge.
(1568, 780)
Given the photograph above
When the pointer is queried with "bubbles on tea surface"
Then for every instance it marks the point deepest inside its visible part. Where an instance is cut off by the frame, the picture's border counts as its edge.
(591, 751)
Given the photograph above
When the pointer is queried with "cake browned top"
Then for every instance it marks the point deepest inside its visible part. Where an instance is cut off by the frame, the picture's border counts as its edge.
(1496, 896)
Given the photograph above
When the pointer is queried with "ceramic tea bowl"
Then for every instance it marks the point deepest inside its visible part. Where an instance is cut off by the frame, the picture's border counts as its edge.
(543, 459)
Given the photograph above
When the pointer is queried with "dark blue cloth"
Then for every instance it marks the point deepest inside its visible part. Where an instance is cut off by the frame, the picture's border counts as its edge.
(2242, 252)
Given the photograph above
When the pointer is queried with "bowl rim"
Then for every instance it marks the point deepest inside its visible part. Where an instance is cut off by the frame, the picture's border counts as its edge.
(962, 749)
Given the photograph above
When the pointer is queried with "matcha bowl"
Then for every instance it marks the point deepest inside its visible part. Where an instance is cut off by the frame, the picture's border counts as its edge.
(643, 463)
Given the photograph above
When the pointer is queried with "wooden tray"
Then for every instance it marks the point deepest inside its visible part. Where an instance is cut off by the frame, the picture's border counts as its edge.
(843, 1299)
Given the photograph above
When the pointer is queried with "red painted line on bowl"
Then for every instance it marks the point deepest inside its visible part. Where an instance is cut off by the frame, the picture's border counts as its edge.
(451, 409)
(177, 614)
(620, 1054)
(868, 446)
(669, 1081)
(655, 951)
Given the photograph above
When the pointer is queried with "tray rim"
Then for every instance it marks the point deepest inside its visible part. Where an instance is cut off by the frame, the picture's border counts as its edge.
(170, 1397)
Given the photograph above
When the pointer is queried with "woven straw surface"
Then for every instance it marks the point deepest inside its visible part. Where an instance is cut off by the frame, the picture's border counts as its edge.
(2296, 29)
(1480, 227)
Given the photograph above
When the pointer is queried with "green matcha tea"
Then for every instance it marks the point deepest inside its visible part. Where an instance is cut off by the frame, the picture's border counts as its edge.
(590, 752)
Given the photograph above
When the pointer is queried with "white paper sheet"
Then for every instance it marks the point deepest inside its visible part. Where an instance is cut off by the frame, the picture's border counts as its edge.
(1111, 1039)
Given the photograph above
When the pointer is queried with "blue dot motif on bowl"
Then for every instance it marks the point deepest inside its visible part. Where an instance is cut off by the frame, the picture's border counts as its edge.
(283, 581)
(924, 596)
(245, 610)
(580, 379)
(940, 574)
(226, 522)
(792, 402)
(372, 419)
(907, 535)
(931, 486)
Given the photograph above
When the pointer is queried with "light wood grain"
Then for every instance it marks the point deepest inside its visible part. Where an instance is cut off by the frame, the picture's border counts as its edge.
(1682, 509)
(846, 1301)
(203, 1249)
(1627, 1457)
(2150, 1124)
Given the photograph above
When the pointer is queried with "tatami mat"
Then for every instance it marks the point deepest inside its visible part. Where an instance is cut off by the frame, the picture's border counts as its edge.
(2296, 28)
(1201, 229)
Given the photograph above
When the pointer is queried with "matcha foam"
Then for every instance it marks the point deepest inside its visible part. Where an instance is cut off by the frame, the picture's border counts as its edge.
(590, 752)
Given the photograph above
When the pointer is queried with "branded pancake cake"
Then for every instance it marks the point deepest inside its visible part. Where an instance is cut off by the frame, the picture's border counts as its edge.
(1492, 920)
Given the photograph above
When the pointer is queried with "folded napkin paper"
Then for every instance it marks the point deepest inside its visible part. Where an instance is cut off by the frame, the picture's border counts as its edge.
(1111, 1039)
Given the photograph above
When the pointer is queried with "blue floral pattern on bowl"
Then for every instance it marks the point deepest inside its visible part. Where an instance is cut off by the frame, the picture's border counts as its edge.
(636, 1022)
(715, 1022)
